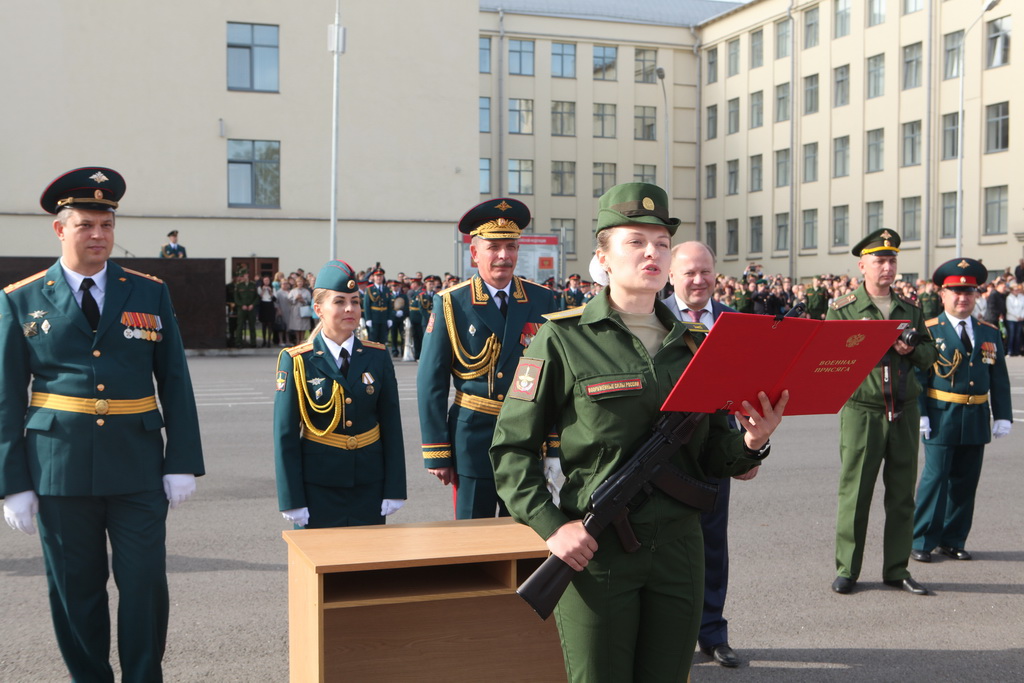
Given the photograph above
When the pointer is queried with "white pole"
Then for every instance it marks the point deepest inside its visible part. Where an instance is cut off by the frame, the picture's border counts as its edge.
(336, 44)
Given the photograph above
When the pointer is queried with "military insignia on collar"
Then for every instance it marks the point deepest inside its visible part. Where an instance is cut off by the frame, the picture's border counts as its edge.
(99, 177)
(45, 327)
(37, 314)
(316, 381)
(472, 330)
(30, 329)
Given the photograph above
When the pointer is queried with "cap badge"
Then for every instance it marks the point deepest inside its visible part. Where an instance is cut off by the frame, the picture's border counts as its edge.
(99, 178)
(98, 194)
(648, 203)
(351, 284)
(886, 235)
(886, 243)
(963, 264)
(503, 206)
(962, 279)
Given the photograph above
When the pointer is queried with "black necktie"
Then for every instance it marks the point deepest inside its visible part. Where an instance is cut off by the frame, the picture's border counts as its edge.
(502, 302)
(964, 339)
(89, 305)
(344, 362)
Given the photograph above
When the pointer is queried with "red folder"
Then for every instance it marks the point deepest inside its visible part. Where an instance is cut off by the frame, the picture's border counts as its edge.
(821, 362)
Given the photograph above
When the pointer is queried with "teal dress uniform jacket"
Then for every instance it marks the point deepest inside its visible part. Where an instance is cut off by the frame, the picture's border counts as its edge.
(378, 308)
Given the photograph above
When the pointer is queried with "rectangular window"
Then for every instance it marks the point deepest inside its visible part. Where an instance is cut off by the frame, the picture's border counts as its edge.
(732, 237)
(811, 24)
(911, 6)
(563, 178)
(950, 135)
(810, 162)
(840, 226)
(876, 151)
(711, 181)
(604, 178)
(756, 234)
(876, 12)
(911, 226)
(733, 120)
(757, 109)
(756, 173)
(912, 143)
(873, 218)
(841, 156)
(783, 38)
(996, 205)
(712, 64)
(520, 58)
(711, 235)
(485, 176)
(997, 127)
(485, 114)
(254, 173)
(809, 235)
(566, 227)
(732, 176)
(520, 116)
(733, 64)
(485, 55)
(781, 167)
(997, 46)
(712, 126)
(841, 86)
(782, 231)
(951, 54)
(605, 58)
(646, 64)
(604, 120)
(912, 66)
(757, 48)
(253, 57)
(876, 76)
(645, 173)
(841, 18)
(563, 118)
(811, 94)
(563, 60)
(520, 176)
(782, 102)
(948, 229)
(644, 123)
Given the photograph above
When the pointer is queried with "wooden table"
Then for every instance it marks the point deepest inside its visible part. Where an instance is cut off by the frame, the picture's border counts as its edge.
(417, 602)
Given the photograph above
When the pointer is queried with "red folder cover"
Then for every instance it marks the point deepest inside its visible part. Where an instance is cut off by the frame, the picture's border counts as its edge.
(821, 362)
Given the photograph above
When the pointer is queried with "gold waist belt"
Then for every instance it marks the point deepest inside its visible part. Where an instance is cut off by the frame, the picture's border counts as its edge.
(94, 406)
(949, 397)
(477, 403)
(378, 308)
(346, 443)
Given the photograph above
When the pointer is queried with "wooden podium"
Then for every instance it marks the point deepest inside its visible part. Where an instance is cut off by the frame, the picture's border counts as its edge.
(417, 602)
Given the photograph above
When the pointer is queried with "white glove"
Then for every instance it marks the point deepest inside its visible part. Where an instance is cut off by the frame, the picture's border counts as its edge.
(926, 427)
(20, 509)
(1001, 428)
(369, 324)
(390, 505)
(179, 488)
(399, 314)
(299, 516)
(390, 322)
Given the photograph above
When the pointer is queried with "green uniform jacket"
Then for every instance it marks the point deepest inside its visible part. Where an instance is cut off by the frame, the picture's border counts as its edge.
(742, 301)
(245, 294)
(426, 304)
(600, 385)
(378, 307)
(415, 308)
(983, 372)
(817, 302)
(370, 398)
(858, 306)
(460, 436)
(46, 342)
(931, 304)
(573, 298)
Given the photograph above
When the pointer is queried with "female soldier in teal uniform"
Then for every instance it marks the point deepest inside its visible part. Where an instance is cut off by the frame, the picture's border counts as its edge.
(602, 373)
(337, 428)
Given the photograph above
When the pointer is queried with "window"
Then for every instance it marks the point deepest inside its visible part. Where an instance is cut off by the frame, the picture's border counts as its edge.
(810, 162)
(756, 173)
(948, 228)
(563, 118)
(485, 55)
(604, 120)
(810, 230)
(566, 227)
(782, 231)
(912, 143)
(732, 176)
(841, 20)
(485, 114)
(873, 217)
(841, 156)
(711, 235)
(998, 42)
(811, 94)
(253, 57)
(781, 167)
(912, 66)
(951, 54)
(876, 151)
(757, 48)
(841, 86)
(604, 178)
(733, 120)
(733, 65)
(757, 109)
(713, 65)
(911, 6)
(254, 173)
(645, 173)
(563, 178)
(646, 66)
(605, 57)
(563, 60)
(950, 135)
(876, 76)
(810, 33)
(520, 176)
(782, 102)
(644, 123)
(783, 38)
(756, 234)
(996, 201)
(840, 226)
(711, 181)
(712, 126)
(520, 116)
(485, 176)
(910, 228)
(732, 237)
(876, 12)
(997, 127)
(520, 57)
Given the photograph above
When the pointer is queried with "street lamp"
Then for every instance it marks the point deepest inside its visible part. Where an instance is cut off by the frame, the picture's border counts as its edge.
(960, 135)
(668, 142)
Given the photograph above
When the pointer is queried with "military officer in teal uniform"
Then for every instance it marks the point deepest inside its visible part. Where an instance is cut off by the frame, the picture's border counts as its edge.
(87, 451)
(878, 426)
(378, 309)
(573, 293)
(399, 312)
(338, 444)
(956, 420)
(475, 336)
(415, 296)
(172, 249)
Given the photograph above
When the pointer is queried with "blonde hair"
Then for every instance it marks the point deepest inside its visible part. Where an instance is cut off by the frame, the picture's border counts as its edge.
(318, 298)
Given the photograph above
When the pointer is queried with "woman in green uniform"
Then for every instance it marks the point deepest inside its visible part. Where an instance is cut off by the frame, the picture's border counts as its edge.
(602, 372)
(337, 428)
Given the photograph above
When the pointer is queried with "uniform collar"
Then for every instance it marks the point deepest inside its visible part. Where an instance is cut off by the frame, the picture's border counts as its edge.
(74, 279)
(335, 349)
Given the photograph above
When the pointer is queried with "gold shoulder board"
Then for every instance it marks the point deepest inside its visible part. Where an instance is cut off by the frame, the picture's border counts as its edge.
(154, 278)
(931, 322)
(844, 301)
(372, 344)
(567, 313)
(300, 349)
(21, 283)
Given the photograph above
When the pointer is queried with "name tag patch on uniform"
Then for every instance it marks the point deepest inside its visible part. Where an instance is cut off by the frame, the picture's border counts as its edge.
(614, 386)
(524, 385)
(282, 379)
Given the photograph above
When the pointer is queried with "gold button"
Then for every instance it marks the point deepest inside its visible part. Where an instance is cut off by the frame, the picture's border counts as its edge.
(501, 397)
(101, 387)
(96, 353)
(348, 399)
(500, 375)
(100, 422)
(348, 423)
(971, 383)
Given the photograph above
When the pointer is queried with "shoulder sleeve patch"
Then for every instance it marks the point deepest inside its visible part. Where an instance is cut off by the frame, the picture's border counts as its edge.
(154, 278)
(21, 283)
(300, 349)
(372, 344)
(931, 322)
(524, 384)
(844, 301)
(282, 380)
(568, 313)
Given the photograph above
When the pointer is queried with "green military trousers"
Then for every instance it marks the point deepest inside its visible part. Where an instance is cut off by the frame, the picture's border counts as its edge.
(945, 496)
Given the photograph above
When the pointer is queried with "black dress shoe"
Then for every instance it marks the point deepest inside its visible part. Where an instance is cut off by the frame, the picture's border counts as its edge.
(723, 654)
(921, 555)
(955, 553)
(907, 584)
(843, 584)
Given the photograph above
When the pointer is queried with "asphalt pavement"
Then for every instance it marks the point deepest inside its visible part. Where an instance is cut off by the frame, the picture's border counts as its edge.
(228, 572)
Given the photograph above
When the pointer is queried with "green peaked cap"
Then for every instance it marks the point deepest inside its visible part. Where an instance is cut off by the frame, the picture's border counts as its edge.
(631, 203)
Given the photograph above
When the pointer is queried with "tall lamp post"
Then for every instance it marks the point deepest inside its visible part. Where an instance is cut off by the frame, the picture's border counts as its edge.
(660, 71)
(336, 46)
(960, 135)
